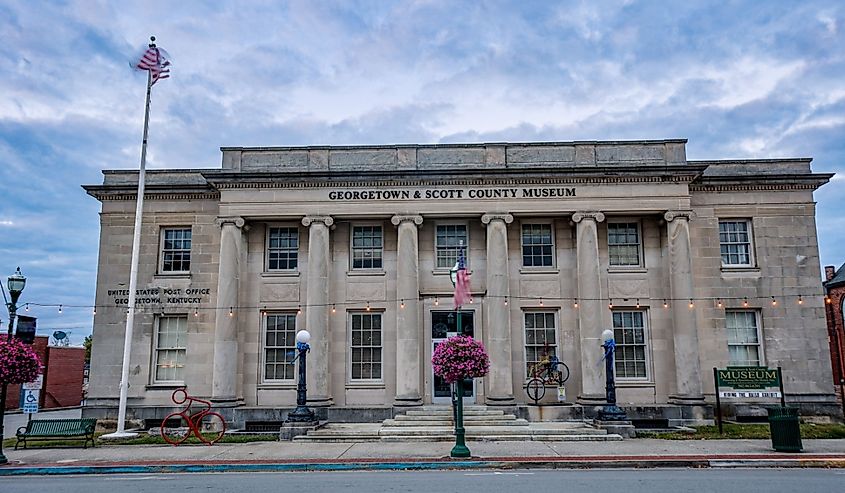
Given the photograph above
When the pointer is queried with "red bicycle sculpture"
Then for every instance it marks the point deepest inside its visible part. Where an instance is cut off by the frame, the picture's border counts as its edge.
(207, 425)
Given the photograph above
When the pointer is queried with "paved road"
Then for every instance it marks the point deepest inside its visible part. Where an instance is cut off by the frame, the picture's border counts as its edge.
(530, 481)
(16, 420)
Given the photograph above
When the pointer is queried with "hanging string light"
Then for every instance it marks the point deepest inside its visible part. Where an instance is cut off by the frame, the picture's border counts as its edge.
(610, 304)
(665, 305)
(368, 306)
(60, 307)
(691, 304)
(745, 302)
(231, 313)
(541, 301)
(575, 305)
(800, 300)
(298, 309)
(402, 304)
(638, 303)
(436, 301)
(506, 301)
(774, 301)
(334, 309)
(196, 312)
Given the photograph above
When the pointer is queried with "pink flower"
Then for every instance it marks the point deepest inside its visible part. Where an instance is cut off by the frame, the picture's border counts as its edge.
(18, 362)
(460, 357)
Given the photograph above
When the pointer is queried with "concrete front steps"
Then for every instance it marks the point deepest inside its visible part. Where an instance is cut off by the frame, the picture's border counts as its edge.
(434, 423)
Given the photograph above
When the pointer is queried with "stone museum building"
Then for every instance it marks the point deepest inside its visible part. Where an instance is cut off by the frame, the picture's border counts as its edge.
(692, 264)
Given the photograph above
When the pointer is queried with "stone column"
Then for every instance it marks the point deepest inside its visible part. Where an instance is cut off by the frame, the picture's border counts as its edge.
(224, 376)
(590, 305)
(500, 378)
(317, 309)
(409, 338)
(685, 335)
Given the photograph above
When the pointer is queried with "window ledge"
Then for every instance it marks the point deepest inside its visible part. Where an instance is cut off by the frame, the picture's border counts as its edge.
(364, 385)
(360, 273)
(280, 273)
(277, 386)
(177, 275)
(737, 272)
(539, 270)
(164, 386)
(627, 270)
(634, 383)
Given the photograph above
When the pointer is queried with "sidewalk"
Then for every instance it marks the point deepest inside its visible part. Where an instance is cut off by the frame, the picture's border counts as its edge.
(293, 456)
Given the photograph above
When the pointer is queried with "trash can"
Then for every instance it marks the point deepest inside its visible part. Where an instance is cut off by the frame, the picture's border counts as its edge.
(785, 429)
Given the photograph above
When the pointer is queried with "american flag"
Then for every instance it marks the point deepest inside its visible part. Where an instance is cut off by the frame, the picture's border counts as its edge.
(155, 61)
(462, 291)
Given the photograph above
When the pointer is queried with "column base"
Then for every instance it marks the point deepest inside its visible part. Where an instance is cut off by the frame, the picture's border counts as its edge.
(687, 400)
(591, 399)
(407, 401)
(507, 400)
(227, 401)
(319, 401)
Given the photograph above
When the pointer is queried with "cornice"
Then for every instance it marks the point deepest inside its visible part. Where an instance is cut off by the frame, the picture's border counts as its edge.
(103, 196)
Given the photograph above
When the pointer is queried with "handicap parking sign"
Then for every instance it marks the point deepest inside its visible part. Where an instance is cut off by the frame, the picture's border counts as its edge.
(30, 401)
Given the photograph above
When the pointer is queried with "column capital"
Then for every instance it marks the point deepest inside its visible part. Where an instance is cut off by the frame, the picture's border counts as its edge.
(594, 215)
(327, 220)
(236, 220)
(672, 215)
(399, 219)
(487, 218)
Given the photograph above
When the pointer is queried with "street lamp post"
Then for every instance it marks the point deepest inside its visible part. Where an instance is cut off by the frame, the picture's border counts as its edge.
(460, 450)
(302, 414)
(16, 283)
(610, 412)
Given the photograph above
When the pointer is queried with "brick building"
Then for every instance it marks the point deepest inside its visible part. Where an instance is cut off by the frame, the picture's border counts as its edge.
(63, 374)
(834, 286)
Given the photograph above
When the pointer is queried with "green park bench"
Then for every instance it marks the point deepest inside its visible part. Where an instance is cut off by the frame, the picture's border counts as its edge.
(43, 429)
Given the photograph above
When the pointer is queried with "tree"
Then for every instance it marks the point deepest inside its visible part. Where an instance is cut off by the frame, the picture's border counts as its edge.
(87, 344)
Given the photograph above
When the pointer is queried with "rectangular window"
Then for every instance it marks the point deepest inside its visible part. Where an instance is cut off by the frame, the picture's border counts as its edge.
(537, 245)
(176, 250)
(449, 238)
(540, 338)
(743, 338)
(282, 248)
(367, 247)
(279, 346)
(623, 244)
(170, 348)
(735, 242)
(629, 333)
(366, 346)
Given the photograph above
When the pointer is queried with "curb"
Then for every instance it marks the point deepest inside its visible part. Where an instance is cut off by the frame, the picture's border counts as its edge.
(430, 464)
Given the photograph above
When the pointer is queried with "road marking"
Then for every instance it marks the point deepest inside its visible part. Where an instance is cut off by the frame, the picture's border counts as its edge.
(66, 461)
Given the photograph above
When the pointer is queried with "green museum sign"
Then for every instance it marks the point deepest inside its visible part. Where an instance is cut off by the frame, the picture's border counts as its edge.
(747, 377)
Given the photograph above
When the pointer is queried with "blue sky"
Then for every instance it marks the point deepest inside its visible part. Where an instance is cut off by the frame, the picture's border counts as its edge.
(738, 79)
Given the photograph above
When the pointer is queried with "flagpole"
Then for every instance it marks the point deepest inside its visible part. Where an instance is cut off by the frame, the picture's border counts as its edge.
(133, 274)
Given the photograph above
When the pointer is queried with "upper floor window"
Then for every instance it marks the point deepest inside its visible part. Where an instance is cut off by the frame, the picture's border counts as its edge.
(629, 333)
(365, 345)
(282, 248)
(367, 247)
(743, 337)
(623, 244)
(170, 348)
(279, 346)
(537, 245)
(448, 239)
(176, 250)
(735, 242)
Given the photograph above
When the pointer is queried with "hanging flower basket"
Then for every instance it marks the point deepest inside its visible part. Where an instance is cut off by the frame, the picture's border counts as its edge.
(18, 362)
(460, 357)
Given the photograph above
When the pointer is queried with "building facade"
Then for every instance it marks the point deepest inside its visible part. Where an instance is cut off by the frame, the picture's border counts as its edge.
(693, 264)
(834, 287)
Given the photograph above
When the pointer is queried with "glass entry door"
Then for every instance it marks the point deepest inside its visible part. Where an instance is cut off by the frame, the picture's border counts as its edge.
(444, 324)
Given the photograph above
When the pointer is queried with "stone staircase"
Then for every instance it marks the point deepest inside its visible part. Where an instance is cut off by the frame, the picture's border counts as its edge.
(434, 423)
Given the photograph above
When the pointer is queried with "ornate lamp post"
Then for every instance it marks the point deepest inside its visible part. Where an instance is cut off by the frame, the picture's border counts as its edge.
(16, 283)
(302, 414)
(460, 450)
(610, 412)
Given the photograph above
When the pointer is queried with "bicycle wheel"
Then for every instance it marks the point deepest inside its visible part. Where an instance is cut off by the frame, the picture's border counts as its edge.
(175, 429)
(211, 427)
(536, 389)
(564, 372)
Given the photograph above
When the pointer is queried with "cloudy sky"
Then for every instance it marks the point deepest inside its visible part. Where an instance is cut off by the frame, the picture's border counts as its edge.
(738, 79)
